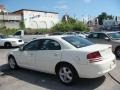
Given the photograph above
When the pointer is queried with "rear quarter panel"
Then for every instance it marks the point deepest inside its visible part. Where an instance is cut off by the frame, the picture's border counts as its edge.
(74, 57)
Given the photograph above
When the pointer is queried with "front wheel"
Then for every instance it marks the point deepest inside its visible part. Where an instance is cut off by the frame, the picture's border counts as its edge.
(12, 63)
(67, 74)
(117, 52)
(7, 45)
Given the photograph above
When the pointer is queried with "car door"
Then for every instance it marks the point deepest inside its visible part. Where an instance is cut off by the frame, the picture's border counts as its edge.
(48, 55)
(27, 55)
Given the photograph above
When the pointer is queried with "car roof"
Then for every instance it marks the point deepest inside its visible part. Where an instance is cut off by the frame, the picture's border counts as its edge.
(106, 32)
(54, 36)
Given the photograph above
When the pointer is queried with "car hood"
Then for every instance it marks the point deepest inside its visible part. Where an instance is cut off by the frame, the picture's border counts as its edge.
(95, 47)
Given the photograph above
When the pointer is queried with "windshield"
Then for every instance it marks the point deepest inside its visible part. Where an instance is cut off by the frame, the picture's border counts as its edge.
(77, 41)
(114, 35)
(2, 36)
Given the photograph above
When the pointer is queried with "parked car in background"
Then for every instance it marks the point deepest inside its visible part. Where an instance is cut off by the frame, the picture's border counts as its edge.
(21, 34)
(10, 42)
(57, 33)
(69, 57)
(75, 33)
(70, 33)
(112, 38)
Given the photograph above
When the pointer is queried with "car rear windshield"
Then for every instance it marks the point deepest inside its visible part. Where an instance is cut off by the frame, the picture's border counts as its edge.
(77, 41)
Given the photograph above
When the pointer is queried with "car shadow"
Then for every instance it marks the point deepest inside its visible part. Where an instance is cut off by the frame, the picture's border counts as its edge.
(117, 58)
(50, 81)
(1, 47)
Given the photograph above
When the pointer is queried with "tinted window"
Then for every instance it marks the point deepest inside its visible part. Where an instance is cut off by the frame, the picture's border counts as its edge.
(94, 35)
(102, 36)
(50, 45)
(34, 45)
(97, 35)
(18, 33)
(76, 41)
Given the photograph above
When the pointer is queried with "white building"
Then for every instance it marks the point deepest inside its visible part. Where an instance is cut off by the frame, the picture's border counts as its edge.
(38, 19)
(9, 20)
(111, 24)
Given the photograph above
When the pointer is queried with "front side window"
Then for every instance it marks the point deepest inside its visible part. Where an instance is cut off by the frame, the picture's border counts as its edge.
(34, 45)
(77, 41)
(93, 35)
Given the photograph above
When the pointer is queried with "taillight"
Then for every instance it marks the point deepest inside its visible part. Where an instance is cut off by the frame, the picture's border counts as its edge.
(94, 57)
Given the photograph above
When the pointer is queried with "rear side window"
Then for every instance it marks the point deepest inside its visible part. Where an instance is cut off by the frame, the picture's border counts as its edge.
(102, 36)
(76, 41)
(51, 45)
(18, 33)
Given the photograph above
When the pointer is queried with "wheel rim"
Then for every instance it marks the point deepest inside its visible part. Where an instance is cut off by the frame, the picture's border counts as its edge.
(12, 63)
(65, 74)
(8, 45)
(118, 52)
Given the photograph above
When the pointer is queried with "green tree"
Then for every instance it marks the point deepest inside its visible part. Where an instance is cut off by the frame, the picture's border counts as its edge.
(22, 25)
(104, 16)
(67, 18)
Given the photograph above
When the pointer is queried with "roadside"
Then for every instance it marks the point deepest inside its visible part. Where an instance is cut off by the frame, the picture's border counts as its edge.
(115, 74)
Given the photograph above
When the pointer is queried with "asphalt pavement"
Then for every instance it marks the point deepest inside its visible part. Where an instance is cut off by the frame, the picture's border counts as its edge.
(24, 79)
(115, 74)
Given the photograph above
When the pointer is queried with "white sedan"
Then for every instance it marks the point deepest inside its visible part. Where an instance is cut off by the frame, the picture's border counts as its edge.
(10, 42)
(69, 57)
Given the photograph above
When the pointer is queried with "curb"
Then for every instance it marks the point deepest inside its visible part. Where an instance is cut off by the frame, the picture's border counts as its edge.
(115, 74)
(114, 78)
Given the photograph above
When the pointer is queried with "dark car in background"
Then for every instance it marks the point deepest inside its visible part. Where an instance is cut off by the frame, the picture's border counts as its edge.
(112, 38)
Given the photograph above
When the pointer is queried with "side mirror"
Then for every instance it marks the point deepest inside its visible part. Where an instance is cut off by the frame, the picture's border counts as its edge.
(20, 48)
(106, 38)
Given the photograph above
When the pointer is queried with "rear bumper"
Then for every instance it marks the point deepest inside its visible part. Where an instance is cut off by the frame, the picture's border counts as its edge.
(98, 69)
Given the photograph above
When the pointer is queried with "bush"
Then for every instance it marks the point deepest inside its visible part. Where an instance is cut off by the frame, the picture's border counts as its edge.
(67, 27)
(35, 31)
(7, 31)
(27, 31)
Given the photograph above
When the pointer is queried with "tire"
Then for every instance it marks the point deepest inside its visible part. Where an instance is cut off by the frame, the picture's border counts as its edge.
(117, 52)
(12, 63)
(7, 45)
(67, 74)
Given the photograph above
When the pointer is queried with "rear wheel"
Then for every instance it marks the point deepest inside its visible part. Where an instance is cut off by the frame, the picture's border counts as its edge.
(117, 52)
(12, 63)
(7, 45)
(67, 74)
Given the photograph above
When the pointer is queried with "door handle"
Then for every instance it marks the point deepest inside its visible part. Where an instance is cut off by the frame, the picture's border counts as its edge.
(56, 54)
(31, 54)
